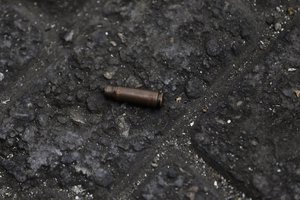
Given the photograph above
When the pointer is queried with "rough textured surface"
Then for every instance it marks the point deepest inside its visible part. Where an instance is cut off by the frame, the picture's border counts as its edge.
(173, 182)
(59, 132)
(20, 43)
(253, 133)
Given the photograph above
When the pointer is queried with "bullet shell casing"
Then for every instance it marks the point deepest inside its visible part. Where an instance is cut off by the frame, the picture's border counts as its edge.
(135, 96)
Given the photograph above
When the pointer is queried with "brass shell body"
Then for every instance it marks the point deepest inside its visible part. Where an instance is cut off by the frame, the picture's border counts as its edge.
(135, 96)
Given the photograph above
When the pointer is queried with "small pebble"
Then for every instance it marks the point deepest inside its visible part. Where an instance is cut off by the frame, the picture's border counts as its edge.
(292, 69)
(113, 43)
(291, 11)
(1, 76)
(178, 99)
(109, 75)
(122, 37)
(239, 103)
(278, 26)
(297, 93)
(133, 82)
(62, 120)
(69, 36)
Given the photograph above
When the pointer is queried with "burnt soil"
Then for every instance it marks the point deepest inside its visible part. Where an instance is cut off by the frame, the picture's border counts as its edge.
(229, 127)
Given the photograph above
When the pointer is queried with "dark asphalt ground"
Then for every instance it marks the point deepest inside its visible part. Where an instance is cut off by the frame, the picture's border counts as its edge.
(229, 129)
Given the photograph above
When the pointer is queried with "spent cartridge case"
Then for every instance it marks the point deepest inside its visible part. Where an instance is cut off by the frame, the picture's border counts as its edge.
(135, 96)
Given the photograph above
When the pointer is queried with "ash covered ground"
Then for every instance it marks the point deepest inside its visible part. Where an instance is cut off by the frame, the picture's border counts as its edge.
(229, 128)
